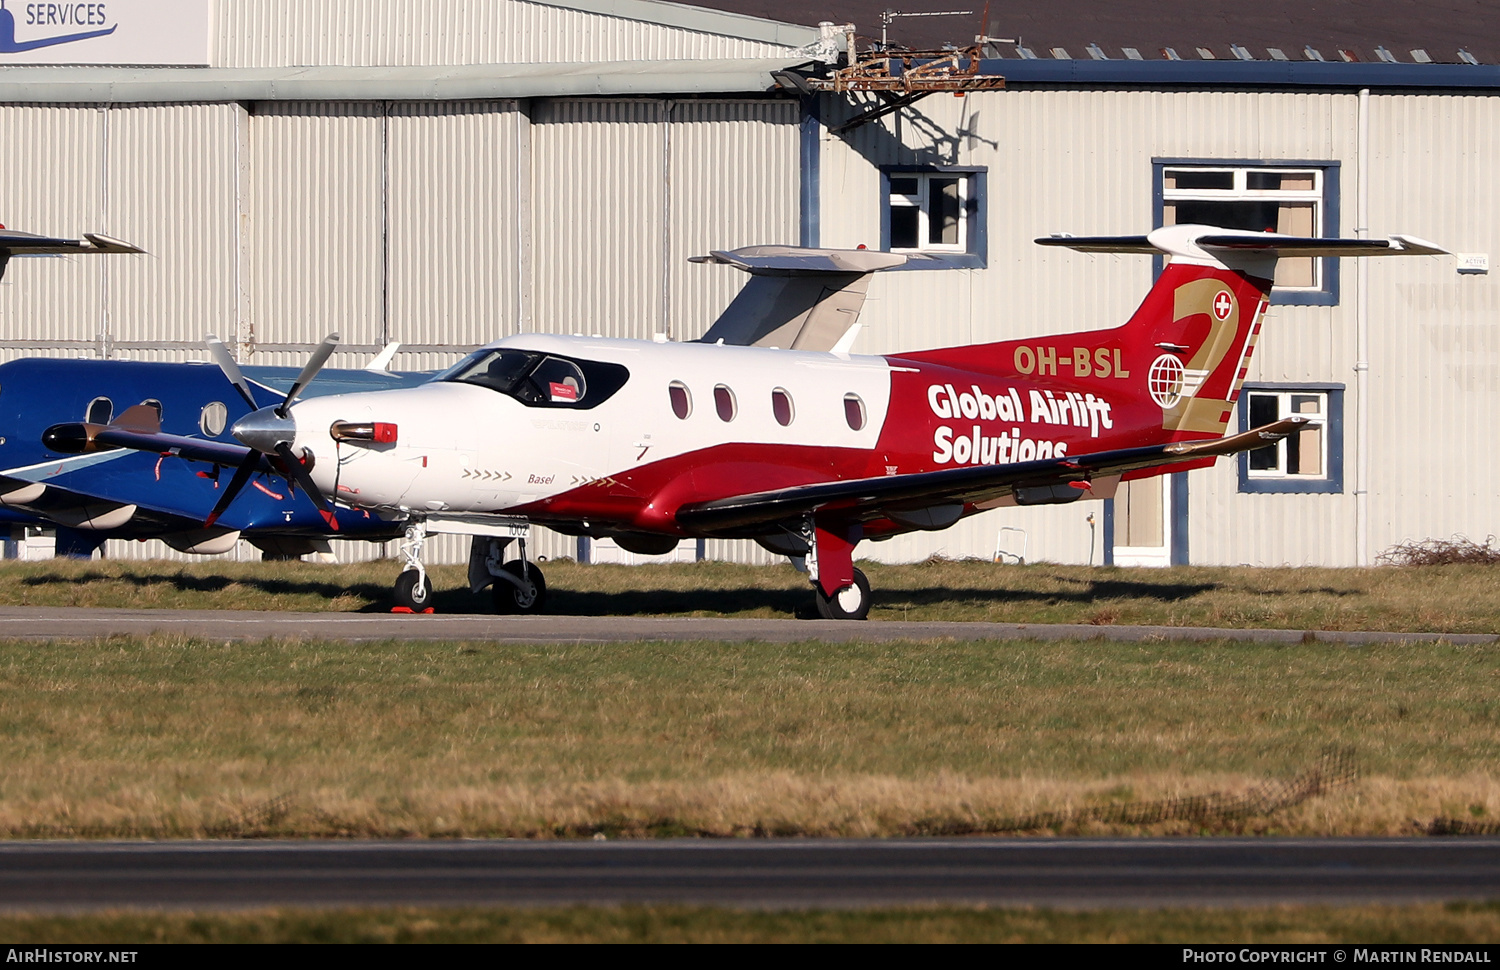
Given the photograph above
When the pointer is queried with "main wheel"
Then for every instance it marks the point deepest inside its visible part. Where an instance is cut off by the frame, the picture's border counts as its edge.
(850, 603)
(409, 595)
(510, 598)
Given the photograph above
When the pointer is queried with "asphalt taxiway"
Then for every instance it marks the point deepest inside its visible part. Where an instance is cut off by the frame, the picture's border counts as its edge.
(1081, 873)
(45, 623)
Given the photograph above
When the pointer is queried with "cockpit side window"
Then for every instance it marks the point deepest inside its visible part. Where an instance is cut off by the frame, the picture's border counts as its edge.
(100, 410)
(498, 370)
(559, 381)
(540, 380)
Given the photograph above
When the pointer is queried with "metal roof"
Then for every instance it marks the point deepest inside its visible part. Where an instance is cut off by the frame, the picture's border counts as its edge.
(110, 85)
(1242, 74)
(729, 22)
(1440, 29)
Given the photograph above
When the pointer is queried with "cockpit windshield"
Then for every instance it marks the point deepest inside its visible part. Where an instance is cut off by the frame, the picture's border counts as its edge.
(538, 379)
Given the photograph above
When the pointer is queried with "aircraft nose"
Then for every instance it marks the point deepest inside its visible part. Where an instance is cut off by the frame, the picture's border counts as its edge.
(263, 430)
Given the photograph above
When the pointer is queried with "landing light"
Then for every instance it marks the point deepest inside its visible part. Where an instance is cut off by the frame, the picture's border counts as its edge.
(380, 432)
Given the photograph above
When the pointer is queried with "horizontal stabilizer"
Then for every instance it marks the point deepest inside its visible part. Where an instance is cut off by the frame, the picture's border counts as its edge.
(790, 260)
(1216, 245)
(30, 244)
(13, 243)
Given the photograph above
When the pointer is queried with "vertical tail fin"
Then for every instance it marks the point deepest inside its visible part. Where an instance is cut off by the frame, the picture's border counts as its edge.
(1188, 345)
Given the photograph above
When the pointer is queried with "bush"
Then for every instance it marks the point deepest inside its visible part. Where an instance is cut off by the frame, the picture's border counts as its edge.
(1442, 552)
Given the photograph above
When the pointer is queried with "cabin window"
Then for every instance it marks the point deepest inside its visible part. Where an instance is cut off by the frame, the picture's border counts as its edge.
(1311, 460)
(781, 406)
(682, 399)
(100, 410)
(537, 379)
(1297, 199)
(724, 403)
(935, 211)
(213, 418)
(854, 412)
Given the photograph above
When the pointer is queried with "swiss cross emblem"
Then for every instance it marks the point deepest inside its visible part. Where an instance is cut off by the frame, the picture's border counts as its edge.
(1223, 305)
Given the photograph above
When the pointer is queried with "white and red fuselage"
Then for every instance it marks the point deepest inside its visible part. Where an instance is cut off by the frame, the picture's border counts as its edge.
(695, 422)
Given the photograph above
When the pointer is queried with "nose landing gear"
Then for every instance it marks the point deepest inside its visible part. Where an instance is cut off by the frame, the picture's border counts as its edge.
(413, 591)
(517, 585)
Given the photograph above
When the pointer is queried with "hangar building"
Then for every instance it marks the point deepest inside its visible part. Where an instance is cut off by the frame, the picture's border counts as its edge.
(445, 172)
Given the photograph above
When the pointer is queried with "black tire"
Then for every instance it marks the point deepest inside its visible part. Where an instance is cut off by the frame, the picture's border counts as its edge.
(511, 599)
(405, 592)
(852, 602)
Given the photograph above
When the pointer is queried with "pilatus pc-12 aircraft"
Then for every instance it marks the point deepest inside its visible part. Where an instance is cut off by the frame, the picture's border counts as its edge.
(808, 452)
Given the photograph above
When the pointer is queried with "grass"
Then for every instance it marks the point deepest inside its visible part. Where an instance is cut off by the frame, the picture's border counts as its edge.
(171, 737)
(1447, 599)
(1454, 923)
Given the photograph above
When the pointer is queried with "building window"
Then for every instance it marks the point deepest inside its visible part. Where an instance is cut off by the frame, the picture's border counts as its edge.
(1312, 460)
(935, 212)
(1295, 198)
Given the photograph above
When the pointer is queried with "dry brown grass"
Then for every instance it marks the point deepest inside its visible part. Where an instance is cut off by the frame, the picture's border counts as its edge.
(170, 737)
(1456, 923)
(1446, 599)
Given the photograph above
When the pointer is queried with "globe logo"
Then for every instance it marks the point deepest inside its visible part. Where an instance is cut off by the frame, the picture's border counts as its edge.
(1164, 381)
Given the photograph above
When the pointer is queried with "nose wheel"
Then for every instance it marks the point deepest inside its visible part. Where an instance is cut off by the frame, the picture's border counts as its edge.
(413, 592)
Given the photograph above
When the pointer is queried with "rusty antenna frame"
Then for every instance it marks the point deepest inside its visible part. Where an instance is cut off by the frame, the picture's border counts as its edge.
(902, 78)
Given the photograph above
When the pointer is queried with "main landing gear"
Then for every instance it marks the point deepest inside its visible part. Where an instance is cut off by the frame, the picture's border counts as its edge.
(517, 586)
(841, 591)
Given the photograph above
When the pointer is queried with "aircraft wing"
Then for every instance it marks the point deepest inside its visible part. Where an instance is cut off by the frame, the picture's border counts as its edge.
(1031, 483)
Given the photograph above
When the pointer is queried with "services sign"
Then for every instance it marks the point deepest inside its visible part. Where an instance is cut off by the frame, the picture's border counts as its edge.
(115, 32)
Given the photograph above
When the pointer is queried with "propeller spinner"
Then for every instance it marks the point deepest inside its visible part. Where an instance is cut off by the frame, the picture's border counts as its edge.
(271, 431)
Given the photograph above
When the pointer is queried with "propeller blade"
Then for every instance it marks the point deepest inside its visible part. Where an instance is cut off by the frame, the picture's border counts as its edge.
(240, 480)
(314, 364)
(225, 360)
(304, 481)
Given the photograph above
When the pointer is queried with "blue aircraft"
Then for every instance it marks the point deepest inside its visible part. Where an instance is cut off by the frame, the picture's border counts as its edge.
(121, 493)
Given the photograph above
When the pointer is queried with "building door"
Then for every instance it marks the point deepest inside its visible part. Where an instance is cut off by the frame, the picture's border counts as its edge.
(1143, 522)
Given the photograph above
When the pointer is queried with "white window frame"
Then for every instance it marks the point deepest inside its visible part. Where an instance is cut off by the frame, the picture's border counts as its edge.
(1283, 410)
(922, 201)
(1241, 192)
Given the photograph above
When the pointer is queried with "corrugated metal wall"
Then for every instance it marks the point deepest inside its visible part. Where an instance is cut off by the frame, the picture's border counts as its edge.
(52, 161)
(732, 181)
(456, 189)
(359, 33)
(317, 225)
(1080, 161)
(1435, 335)
(599, 229)
(172, 184)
